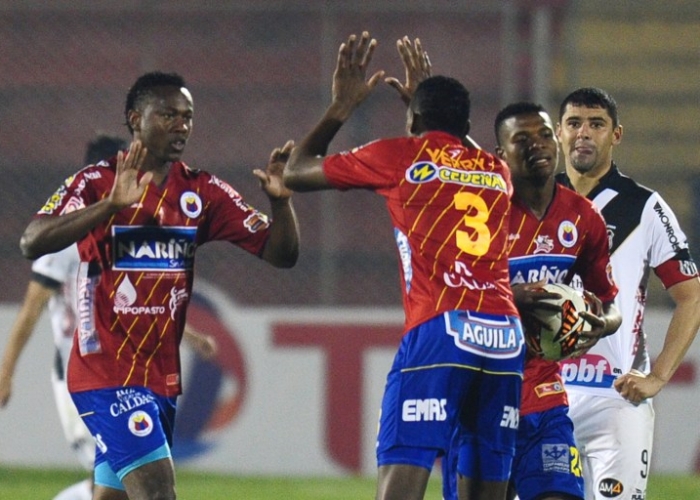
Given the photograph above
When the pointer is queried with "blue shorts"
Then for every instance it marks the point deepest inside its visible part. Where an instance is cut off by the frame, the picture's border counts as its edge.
(459, 373)
(546, 458)
(131, 426)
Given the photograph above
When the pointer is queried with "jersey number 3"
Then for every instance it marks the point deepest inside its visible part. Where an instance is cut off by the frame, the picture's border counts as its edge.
(478, 243)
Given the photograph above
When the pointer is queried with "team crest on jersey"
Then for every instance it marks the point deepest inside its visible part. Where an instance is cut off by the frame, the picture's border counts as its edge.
(191, 204)
(153, 248)
(140, 423)
(543, 244)
(567, 234)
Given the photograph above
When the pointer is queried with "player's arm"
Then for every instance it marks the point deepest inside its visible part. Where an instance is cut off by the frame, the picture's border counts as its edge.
(304, 171)
(201, 343)
(604, 318)
(684, 325)
(35, 299)
(282, 246)
(50, 234)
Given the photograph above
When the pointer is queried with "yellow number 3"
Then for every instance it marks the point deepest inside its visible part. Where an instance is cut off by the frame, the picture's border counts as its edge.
(479, 243)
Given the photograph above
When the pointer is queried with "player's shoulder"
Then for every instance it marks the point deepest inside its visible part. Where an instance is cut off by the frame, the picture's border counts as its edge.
(626, 185)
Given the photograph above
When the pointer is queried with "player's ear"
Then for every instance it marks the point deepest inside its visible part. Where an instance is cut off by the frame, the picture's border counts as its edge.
(134, 118)
(617, 135)
(500, 153)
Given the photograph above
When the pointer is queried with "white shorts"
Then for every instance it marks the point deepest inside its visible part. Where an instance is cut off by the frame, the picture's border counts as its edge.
(77, 435)
(615, 440)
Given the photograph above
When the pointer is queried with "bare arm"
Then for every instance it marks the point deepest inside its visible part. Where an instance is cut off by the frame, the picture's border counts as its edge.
(35, 299)
(201, 343)
(282, 247)
(304, 171)
(684, 325)
(50, 234)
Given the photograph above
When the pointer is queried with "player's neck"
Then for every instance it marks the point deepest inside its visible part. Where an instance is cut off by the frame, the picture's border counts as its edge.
(536, 197)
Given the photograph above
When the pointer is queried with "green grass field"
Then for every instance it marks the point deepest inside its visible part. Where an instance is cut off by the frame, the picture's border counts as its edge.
(43, 484)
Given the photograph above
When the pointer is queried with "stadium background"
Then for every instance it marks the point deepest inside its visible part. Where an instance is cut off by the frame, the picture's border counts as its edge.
(260, 73)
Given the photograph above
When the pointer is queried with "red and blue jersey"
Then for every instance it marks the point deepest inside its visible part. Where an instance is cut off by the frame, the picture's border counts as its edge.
(136, 271)
(449, 206)
(571, 239)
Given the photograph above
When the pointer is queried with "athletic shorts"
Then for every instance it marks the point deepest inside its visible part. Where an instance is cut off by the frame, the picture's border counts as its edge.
(131, 426)
(615, 439)
(459, 372)
(546, 457)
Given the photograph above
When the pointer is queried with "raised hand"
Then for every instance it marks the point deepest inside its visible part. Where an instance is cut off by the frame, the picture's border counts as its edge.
(128, 188)
(350, 83)
(417, 65)
(271, 178)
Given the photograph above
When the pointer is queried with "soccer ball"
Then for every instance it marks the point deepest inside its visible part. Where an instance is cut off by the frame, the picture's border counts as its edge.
(554, 335)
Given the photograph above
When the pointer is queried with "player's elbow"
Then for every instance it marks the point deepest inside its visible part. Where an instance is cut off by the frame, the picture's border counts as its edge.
(28, 246)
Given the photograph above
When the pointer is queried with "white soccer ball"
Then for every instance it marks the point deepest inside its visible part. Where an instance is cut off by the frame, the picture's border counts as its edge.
(554, 335)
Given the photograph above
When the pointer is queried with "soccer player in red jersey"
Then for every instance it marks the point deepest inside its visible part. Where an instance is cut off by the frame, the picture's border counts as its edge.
(555, 235)
(459, 365)
(138, 220)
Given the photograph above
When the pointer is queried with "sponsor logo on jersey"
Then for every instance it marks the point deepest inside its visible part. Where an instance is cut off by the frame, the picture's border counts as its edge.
(485, 336)
(534, 268)
(153, 248)
(178, 296)
(463, 277)
(543, 244)
(256, 221)
(510, 418)
(129, 399)
(567, 234)
(556, 457)
(54, 201)
(74, 203)
(456, 157)
(88, 338)
(424, 410)
(140, 423)
(126, 296)
(668, 227)
(191, 204)
(405, 257)
(590, 371)
(549, 389)
(426, 171)
(610, 488)
(232, 193)
(93, 175)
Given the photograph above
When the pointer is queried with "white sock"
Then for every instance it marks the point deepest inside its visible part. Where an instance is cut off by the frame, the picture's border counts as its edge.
(78, 491)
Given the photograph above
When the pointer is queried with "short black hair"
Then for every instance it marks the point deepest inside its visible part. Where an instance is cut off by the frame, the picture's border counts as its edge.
(144, 86)
(443, 104)
(591, 97)
(102, 147)
(515, 109)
